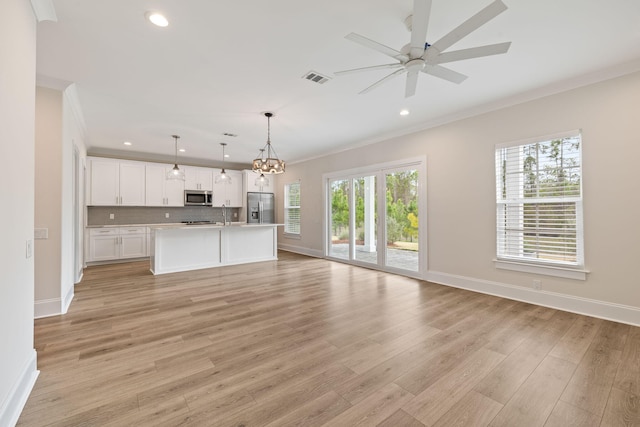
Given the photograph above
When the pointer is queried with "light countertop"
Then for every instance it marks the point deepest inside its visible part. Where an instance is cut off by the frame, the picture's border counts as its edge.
(180, 224)
(215, 225)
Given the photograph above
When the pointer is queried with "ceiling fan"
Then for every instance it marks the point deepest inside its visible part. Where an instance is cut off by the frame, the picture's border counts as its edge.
(419, 56)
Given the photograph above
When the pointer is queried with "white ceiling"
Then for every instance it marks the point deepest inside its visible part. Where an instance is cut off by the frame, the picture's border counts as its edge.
(220, 64)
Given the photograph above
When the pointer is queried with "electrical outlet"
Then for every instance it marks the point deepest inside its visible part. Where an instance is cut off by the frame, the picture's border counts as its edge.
(112, 216)
(166, 215)
(537, 285)
(235, 214)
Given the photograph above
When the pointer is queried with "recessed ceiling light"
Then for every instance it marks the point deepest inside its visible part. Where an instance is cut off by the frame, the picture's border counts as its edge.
(182, 150)
(128, 143)
(226, 155)
(157, 19)
(404, 112)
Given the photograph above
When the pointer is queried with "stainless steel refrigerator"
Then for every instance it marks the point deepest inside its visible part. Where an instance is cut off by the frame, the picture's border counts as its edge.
(260, 208)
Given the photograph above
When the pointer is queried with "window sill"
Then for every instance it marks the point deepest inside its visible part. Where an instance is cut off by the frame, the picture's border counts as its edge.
(564, 272)
(292, 236)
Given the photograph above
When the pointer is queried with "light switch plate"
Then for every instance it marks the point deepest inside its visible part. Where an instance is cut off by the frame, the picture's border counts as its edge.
(29, 248)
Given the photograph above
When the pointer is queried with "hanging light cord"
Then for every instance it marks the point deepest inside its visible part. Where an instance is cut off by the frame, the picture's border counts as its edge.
(175, 137)
(269, 148)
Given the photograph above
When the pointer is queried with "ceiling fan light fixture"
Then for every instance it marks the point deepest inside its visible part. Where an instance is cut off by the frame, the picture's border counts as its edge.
(176, 173)
(270, 164)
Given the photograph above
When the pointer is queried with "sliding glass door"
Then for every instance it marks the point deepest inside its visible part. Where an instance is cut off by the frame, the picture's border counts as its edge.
(340, 213)
(374, 206)
(401, 220)
(365, 207)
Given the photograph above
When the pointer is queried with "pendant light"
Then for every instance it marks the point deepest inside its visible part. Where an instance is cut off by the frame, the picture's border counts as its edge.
(176, 173)
(262, 180)
(271, 164)
(223, 177)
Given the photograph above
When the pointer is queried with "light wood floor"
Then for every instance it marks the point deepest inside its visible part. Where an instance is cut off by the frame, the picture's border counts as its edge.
(306, 341)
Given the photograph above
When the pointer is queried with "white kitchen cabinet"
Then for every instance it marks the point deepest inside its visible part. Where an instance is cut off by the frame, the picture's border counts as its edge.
(133, 242)
(227, 194)
(113, 243)
(103, 244)
(197, 178)
(104, 182)
(161, 191)
(116, 182)
(253, 184)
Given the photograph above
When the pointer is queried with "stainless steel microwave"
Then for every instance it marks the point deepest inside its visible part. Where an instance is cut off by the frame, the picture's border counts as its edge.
(198, 198)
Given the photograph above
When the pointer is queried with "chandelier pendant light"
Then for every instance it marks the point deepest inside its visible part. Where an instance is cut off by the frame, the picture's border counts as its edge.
(176, 173)
(270, 164)
(223, 177)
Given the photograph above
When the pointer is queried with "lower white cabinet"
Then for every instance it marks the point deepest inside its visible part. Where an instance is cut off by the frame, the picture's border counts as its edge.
(113, 243)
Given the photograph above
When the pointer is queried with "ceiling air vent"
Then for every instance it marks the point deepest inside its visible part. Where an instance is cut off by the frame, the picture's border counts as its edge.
(316, 77)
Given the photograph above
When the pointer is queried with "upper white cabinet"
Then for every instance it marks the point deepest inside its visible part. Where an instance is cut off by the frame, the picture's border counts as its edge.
(227, 194)
(197, 178)
(253, 183)
(116, 182)
(160, 190)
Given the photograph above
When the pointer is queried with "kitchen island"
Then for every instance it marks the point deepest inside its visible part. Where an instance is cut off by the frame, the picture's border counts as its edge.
(190, 247)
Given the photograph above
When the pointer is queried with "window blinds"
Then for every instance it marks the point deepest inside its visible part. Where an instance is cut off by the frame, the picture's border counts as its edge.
(292, 208)
(539, 201)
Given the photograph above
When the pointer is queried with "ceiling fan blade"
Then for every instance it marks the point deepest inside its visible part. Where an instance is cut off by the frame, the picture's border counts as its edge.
(412, 82)
(470, 25)
(386, 50)
(419, 25)
(374, 67)
(459, 55)
(382, 80)
(444, 73)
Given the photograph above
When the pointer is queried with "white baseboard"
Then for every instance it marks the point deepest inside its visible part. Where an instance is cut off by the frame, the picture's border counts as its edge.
(17, 398)
(47, 308)
(53, 306)
(67, 299)
(301, 250)
(589, 307)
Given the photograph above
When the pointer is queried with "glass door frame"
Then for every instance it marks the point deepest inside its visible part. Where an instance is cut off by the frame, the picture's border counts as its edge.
(379, 171)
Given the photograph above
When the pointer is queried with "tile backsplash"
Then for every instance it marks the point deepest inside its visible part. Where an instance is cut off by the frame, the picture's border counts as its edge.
(124, 215)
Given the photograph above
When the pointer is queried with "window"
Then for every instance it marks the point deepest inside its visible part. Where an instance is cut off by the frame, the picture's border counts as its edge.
(539, 201)
(292, 208)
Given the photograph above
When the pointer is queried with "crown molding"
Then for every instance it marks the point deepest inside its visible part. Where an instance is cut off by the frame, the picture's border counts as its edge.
(44, 10)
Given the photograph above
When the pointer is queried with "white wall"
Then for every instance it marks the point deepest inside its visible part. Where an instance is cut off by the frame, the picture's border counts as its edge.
(57, 132)
(48, 200)
(461, 196)
(17, 89)
(73, 137)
